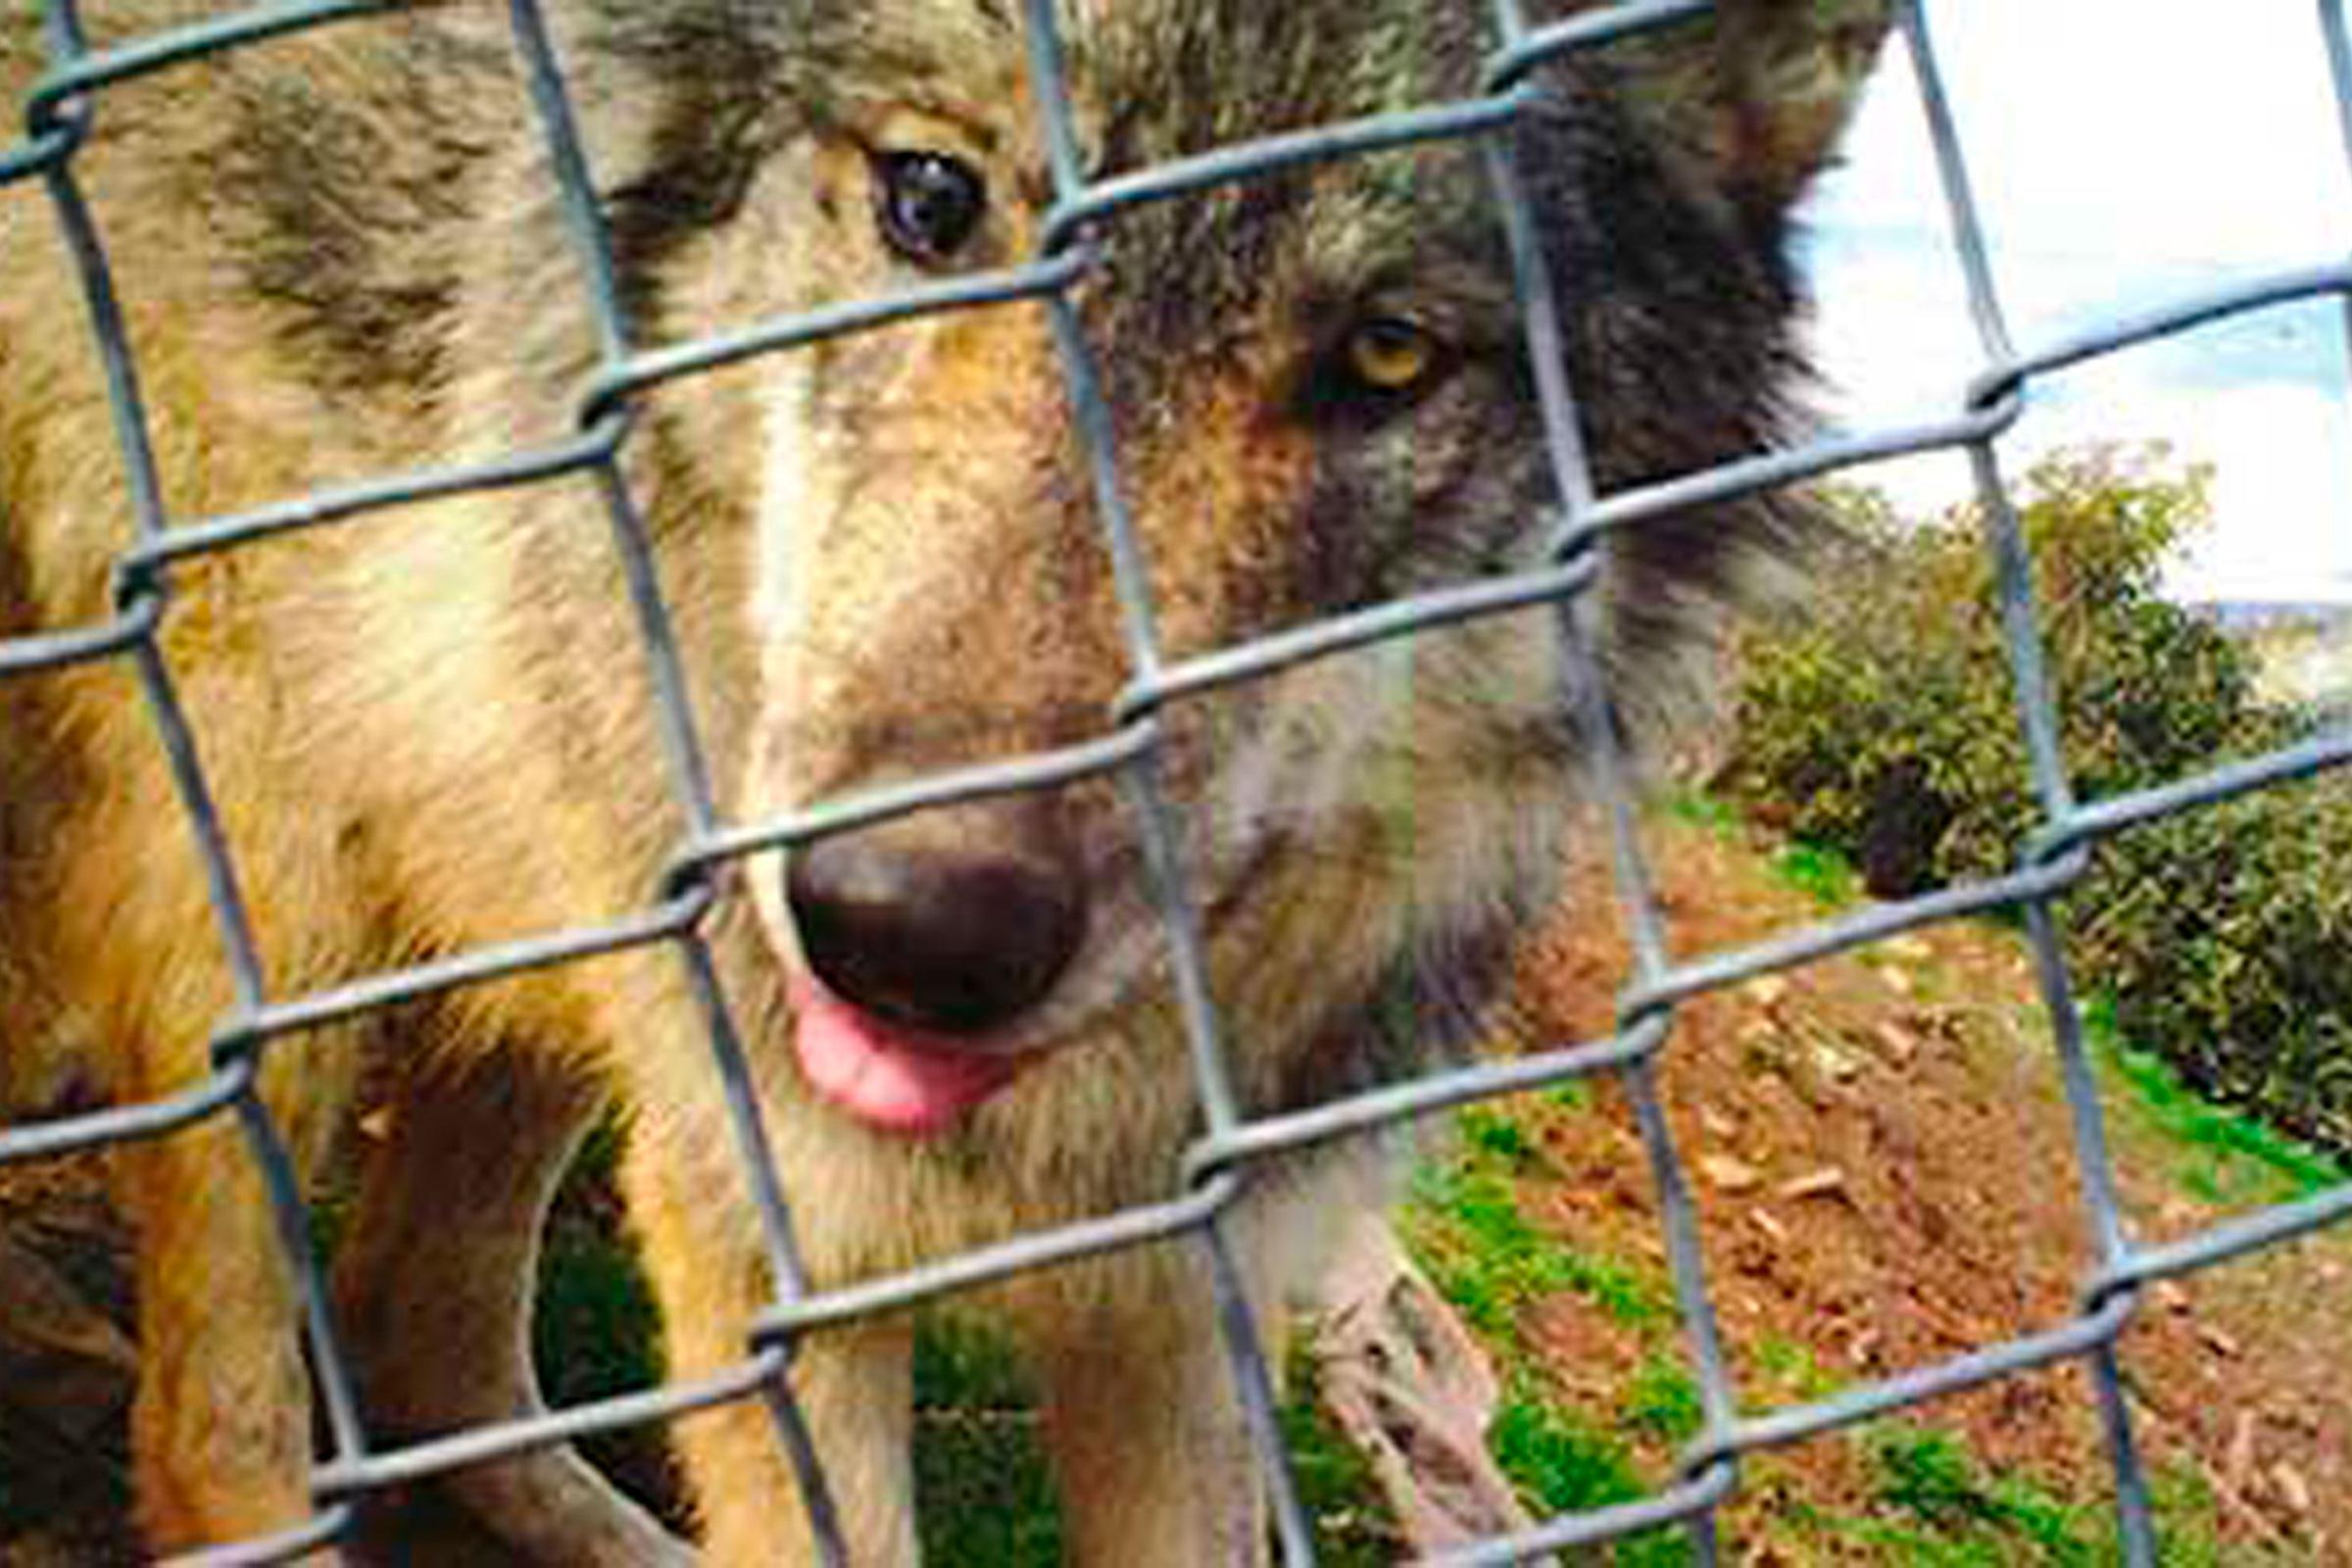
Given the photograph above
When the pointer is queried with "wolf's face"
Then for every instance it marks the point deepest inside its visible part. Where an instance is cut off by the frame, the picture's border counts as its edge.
(435, 736)
(1320, 398)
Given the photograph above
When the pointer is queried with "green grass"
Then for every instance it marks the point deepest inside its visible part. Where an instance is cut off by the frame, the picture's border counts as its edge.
(984, 1488)
(984, 1493)
(1933, 1477)
(1467, 1229)
(1936, 1507)
(1686, 803)
(1821, 873)
(1662, 1401)
(1562, 1464)
(1940, 1505)
(1576, 1095)
(1796, 1367)
(1491, 1132)
(1464, 1226)
(1934, 1502)
(2229, 1157)
(964, 1364)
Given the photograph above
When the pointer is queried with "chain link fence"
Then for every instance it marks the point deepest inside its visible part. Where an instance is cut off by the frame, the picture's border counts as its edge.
(58, 116)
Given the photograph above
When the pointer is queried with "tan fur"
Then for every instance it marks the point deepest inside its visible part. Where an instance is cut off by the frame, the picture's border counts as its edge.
(430, 730)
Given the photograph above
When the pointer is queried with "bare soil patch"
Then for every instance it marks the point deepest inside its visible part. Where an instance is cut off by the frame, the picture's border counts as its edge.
(1880, 1153)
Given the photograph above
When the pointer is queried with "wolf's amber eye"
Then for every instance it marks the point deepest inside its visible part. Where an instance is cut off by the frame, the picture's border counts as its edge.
(1391, 354)
(929, 205)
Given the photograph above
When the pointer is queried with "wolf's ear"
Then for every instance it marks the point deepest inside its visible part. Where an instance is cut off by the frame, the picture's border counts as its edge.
(1757, 97)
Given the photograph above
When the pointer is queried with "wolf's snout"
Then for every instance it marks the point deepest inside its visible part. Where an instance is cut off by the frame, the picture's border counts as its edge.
(950, 938)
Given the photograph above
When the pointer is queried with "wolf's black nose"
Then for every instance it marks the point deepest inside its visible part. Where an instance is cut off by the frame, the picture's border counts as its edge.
(954, 937)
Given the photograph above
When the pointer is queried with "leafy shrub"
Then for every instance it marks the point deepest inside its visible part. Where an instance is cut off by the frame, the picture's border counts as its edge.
(1878, 720)
(2224, 939)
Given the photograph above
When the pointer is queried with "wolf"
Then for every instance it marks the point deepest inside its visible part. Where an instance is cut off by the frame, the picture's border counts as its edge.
(340, 254)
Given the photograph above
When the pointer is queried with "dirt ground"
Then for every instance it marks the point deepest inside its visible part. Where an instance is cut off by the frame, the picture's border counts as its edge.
(1884, 1167)
(1885, 1177)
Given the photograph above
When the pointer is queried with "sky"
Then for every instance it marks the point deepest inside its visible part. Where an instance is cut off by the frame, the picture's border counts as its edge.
(2124, 154)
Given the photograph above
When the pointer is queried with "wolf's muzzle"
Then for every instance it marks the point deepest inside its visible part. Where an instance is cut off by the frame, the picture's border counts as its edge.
(953, 923)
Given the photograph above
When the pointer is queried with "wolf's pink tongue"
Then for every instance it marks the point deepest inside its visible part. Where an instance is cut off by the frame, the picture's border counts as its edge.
(893, 1078)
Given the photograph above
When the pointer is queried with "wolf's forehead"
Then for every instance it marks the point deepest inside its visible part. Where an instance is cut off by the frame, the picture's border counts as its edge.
(1195, 69)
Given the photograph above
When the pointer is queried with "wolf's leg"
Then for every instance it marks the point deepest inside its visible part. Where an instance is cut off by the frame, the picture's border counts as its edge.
(434, 1286)
(1155, 1467)
(220, 1426)
(854, 1385)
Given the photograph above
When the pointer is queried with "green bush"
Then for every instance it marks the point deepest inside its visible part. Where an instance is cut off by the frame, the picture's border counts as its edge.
(2223, 939)
(1878, 720)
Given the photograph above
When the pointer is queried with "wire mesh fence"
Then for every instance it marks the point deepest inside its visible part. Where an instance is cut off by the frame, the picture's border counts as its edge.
(58, 116)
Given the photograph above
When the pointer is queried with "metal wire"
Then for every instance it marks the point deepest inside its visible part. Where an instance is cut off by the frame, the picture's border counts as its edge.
(58, 114)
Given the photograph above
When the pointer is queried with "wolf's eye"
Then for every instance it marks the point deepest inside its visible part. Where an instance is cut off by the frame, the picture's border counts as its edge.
(1391, 354)
(928, 205)
(1377, 368)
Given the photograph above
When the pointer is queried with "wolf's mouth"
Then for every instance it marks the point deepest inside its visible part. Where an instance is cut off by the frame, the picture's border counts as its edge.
(895, 1078)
